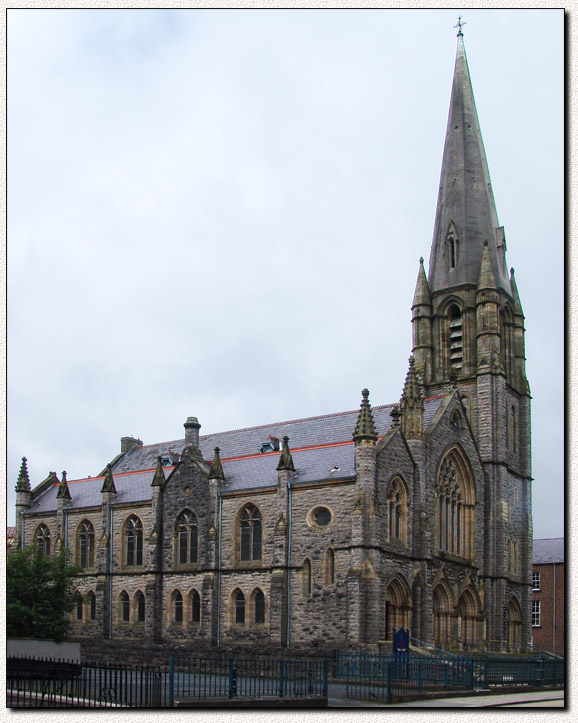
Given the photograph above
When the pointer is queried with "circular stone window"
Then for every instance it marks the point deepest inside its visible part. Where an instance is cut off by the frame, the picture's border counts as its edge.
(320, 517)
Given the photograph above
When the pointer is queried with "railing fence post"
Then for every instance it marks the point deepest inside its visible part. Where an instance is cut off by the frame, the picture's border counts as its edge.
(389, 669)
(232, 679)
(325, 677)
(281, 679)
(171, 681)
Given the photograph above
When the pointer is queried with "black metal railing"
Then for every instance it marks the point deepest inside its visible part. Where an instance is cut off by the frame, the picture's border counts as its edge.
(378, 677)
(36, 683)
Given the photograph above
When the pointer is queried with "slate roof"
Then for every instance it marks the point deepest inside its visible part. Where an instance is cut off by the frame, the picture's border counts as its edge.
(548, 551)
(322, 448)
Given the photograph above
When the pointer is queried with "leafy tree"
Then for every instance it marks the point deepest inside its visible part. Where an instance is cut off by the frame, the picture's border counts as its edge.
(40, 591)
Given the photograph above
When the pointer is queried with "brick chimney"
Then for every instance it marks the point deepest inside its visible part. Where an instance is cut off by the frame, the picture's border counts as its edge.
(128, 443)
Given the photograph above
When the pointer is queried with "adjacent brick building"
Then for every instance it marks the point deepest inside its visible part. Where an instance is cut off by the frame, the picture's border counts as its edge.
(332, 531)
(548, 595)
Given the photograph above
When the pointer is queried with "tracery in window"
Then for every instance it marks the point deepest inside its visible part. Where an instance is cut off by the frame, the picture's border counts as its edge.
(397, 510)
(43, 539)
(187, 537)
(455, 501)
(85, 545)
(250, 533)
(133, 541)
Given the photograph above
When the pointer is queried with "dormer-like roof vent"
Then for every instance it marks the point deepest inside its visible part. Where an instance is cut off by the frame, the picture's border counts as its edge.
(271, 445)
(168, 459)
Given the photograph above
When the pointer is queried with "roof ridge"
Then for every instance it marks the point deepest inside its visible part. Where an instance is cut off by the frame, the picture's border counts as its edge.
(270, 424)
(115, 474)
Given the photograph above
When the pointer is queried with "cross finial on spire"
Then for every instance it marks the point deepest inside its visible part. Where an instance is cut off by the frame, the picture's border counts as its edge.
(459, 26)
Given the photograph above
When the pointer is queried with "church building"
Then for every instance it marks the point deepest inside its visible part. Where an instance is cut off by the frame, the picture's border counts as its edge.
(333, 531)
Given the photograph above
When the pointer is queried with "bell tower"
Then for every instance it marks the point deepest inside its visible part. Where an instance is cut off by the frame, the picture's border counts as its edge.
(468, 334)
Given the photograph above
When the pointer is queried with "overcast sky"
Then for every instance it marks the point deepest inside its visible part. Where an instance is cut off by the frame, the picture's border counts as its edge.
(220, 214)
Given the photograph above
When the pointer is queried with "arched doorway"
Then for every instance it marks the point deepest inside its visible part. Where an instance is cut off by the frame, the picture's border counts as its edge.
(397, 606)
(442, 613)
(513, 626)
(467, 619)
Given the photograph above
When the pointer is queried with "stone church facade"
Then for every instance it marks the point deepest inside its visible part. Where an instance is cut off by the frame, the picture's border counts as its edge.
(332, 531)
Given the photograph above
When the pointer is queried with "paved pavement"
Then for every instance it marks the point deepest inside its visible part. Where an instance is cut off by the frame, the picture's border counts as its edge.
(523, 699)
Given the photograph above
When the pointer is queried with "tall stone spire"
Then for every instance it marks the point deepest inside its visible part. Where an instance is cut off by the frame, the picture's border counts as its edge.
(23, 484)
(466, 212)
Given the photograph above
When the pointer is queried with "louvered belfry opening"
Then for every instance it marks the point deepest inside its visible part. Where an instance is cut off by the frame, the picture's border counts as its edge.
(456, 337)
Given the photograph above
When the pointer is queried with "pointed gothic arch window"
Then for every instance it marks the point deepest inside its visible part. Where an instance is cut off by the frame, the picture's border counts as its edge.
(139, 600)
(177, 607)
(195, 607)
(330, 567)
(91, 599)
(187, 538)
(85, 545)
(455, 506)
(250, 533)
(513, 626)
(238, 599)
(397, 510)
(133, 539)
(307, 578)
(42, 538)
(258, 599)
(512, 428)
(124, 602)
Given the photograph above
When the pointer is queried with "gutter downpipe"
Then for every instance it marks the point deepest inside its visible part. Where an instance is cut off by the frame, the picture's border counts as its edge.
(554, 614)
(219, 569)
(65, 546)
(288, 635)
(110, 513)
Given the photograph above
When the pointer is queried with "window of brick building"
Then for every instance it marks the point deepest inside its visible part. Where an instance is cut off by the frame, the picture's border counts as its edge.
(535, 613)
(535, 581)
